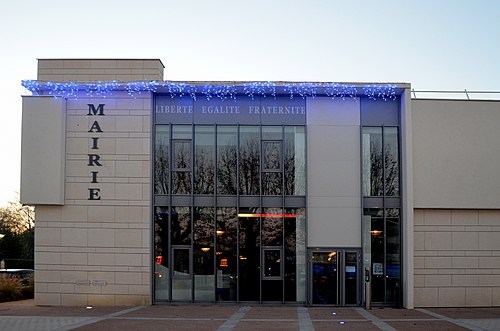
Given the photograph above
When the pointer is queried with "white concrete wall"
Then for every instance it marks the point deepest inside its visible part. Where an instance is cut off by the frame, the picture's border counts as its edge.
(97, 252)
(333, 170)
(43, 150)
(456, 153)
(457, 206)
(457, 258)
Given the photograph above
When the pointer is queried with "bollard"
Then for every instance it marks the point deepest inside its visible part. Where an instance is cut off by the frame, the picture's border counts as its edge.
(368, 291)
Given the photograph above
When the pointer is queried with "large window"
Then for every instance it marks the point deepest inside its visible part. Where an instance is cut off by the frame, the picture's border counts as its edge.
(381, 213)
(391, 161)
(204, 169)
(229, 213)
(161, 168)
(295, 160)
(249, 163)
(227, 146)
(181, 159)
(380, 161)
(232, 160)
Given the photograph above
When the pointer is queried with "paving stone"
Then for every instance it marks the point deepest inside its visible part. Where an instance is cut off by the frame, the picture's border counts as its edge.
(424, 325)
(346, 325)
(25, 316)
(153, 325)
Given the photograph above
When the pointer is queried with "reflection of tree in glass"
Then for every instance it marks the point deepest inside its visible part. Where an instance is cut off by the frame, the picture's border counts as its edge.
(294, 172)
(377, 170)
(272, 183)
(226, 230)
(249, 167)
(272, 228)
(226, 169)
(204, 226)
(204, 170)
(161, 169)
(181, 180)
(289, 164)
(301, 225)
(182, 154)
(161, 235)
(203, 240)
(272, 155)
(294, 160)
(180, 226)
(391, 171)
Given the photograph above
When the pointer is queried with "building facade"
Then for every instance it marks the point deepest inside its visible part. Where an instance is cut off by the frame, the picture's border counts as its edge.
(151, 191)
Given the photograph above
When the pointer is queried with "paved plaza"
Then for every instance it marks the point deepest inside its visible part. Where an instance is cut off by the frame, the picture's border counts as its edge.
(25, 316)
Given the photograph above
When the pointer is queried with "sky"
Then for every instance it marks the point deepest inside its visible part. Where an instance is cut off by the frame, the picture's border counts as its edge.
(432, 44)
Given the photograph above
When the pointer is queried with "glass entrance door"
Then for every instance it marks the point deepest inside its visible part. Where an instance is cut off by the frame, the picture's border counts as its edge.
(334, 277)
(351, 281)
(325, 278)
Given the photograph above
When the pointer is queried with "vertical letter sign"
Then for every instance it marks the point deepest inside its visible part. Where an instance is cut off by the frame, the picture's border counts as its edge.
(94, 158)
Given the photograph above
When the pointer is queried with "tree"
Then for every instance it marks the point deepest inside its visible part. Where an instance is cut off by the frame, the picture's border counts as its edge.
(17, 227)
(17, 218)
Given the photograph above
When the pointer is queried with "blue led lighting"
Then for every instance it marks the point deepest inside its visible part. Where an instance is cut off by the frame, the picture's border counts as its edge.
(260, 88)
(384, 92)
(74, 90)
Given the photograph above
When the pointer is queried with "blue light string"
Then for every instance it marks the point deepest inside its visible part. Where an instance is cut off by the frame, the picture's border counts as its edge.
(384, 92)
(260, 89)
(223, 92)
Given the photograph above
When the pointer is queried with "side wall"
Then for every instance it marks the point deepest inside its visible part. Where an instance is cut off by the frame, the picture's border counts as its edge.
(457, 205)
(456, 154)
(457, 258)
(97, 252)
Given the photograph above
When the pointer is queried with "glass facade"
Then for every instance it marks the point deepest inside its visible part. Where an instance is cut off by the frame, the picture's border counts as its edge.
(380, 161)
(229, 212)
(230, 206)
(381, 213)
